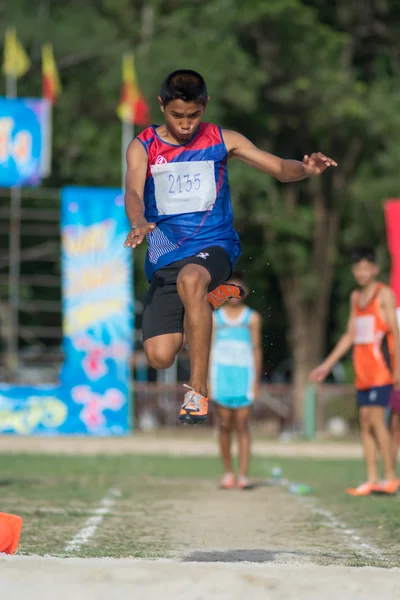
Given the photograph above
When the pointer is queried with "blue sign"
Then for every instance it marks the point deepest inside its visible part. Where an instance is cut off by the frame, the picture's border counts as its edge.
(23, 136)
(94, 392)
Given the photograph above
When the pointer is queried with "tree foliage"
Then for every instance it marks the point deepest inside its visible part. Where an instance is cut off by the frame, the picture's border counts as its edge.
(295, 76)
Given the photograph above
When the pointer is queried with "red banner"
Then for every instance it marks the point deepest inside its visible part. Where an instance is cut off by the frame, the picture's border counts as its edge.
(392, 216)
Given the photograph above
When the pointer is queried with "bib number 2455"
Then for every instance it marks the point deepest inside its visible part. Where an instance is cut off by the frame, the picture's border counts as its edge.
(184, 183)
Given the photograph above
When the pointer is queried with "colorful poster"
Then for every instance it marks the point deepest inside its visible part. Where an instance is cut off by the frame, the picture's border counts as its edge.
(23, 135)
(97, 301)
(94, 395)
(53, 410)
(40, 410)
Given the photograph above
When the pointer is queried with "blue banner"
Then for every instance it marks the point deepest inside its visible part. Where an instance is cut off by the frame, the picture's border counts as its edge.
(23, 136)
(94, 392)
(43, 410)
(97, 303)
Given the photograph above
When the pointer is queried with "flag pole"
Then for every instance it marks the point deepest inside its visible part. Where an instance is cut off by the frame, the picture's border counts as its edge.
(48, 143)
(12, 354)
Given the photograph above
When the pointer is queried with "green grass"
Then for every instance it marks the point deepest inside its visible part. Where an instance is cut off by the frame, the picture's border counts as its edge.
(329, 478)
(55, 494)
(376, 518)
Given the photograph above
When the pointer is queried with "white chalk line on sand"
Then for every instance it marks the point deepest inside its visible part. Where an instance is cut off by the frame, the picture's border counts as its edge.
(354, 541)
(91, 525)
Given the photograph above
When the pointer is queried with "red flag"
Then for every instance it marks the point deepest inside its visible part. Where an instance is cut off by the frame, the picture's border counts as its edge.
(50, 78)
(132, 107)
(392, 214)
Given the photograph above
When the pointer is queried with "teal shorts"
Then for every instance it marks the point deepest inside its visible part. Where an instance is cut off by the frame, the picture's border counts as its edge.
(233, 403)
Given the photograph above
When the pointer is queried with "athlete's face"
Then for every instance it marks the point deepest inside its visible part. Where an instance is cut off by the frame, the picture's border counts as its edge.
(365, 272)
(182, 118)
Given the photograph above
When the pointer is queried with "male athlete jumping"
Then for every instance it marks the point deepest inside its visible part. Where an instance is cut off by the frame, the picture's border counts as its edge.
(177, 196)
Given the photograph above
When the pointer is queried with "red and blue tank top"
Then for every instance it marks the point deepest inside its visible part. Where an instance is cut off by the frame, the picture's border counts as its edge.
(187, 196)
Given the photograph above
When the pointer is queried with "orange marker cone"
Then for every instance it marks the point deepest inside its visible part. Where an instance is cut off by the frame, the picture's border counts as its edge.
(10, 532)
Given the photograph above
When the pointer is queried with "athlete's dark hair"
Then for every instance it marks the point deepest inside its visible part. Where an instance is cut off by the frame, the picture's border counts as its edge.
(185, 85)
(363, 253)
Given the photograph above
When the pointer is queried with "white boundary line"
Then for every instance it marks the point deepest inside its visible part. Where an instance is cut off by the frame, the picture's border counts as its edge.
(351, 537)
(91, 525)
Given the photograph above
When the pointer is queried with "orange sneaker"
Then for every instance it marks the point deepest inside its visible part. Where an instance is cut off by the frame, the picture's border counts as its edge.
(223, 293)
(194, 408)
(388, 487)
(228, 482)
(365, 489)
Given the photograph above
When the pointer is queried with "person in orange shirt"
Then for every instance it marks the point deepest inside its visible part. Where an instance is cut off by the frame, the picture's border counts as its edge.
(373, 333)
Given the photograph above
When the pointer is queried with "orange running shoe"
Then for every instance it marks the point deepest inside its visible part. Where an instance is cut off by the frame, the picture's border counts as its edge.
(228, 482)
(223, 293)
(194, 408)
(365, 489)
(388, 487)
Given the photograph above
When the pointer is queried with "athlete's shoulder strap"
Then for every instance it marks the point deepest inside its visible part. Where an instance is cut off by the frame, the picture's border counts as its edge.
(378, 289)
(146, 137)
(354, 299)
(210, 128)
(213, 133)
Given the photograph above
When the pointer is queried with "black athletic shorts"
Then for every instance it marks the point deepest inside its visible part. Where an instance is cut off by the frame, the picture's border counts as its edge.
(163, 310)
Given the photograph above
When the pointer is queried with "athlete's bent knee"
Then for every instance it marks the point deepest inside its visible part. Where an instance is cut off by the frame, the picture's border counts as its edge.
(193, 279)
(159, 359)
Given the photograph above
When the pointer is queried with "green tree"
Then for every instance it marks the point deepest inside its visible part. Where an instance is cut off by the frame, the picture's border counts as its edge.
(324, 92)
(294, 76)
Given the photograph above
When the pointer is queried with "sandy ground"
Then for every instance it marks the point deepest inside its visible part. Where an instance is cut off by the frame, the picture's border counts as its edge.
(266, 554)
(199, 522)
(100, 579)
(174, 443)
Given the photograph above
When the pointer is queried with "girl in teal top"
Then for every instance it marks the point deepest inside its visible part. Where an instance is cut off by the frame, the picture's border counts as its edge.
(234, 380)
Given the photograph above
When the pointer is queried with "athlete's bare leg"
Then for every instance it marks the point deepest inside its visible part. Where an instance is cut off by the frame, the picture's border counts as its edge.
(193, 282)
(369, 444)
(395, 435)
(162, 350)
(379, 428)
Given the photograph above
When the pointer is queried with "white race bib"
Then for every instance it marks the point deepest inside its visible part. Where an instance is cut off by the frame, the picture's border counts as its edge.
(365, 330)
(184, 187)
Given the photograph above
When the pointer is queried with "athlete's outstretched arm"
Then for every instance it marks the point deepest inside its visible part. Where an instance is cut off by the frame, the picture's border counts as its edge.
(135, 179)
(389, 306)
(284, 170)
(342, 347)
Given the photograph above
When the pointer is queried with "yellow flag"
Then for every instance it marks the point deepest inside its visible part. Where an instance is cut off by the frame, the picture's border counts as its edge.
(16, 62)
(128, 69)
(130, 93)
